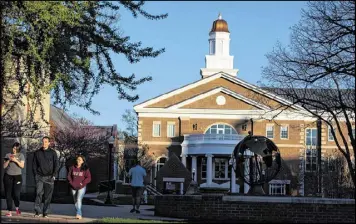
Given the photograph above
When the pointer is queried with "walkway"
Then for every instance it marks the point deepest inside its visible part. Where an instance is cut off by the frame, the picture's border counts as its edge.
(66, 212)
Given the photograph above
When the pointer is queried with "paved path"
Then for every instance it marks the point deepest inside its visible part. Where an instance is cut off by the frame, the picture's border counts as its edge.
(66, 213)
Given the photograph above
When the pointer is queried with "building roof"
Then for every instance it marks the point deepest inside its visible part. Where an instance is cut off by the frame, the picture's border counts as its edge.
(60, 118)
(219, 25)
(317, 97)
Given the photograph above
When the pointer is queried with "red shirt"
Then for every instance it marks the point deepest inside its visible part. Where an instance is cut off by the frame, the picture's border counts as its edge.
(78, 178)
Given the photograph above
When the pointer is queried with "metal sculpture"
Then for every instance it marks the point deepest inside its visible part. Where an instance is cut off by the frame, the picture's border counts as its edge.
(257, 160)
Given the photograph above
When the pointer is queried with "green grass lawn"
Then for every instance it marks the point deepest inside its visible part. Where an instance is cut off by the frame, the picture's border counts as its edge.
(121, 220)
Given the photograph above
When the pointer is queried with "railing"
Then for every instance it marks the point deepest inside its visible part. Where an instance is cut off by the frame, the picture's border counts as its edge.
(202, 137)
(152, 189)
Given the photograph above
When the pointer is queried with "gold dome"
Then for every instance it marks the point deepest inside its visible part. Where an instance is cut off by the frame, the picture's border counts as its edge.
(220, 25)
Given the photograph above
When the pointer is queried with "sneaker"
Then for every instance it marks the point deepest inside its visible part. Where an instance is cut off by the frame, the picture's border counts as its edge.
(18, 212)
(79, 217)
(137, 211)
(132, 210)
(9, 214)
(45, 216)
(36, 215)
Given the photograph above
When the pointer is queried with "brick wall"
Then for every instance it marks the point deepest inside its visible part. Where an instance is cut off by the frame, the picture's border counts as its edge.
(256, 209)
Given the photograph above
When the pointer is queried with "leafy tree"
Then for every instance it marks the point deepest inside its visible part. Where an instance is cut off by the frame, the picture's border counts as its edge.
(65, 48)
(317, 70)
(130, 120)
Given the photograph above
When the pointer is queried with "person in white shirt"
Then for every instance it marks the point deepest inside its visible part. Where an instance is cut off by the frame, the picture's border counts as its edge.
(137, 174)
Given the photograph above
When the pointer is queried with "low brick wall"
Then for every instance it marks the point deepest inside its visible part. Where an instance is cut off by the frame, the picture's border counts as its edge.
(256, 209)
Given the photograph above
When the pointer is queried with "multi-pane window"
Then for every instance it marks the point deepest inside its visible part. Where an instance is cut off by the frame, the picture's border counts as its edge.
(284, 132)
(310, 137)
(171, 129)
(277, 189)
(203, 168)
(222, 129)
(330, 134)
(160, 163)
(156, 132)
(220, 168)
(311, 159)
(269, 131)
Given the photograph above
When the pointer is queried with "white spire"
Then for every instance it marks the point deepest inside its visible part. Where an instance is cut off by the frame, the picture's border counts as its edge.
(220, 16)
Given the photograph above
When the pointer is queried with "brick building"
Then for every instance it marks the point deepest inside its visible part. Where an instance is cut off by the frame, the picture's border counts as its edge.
(203, 121)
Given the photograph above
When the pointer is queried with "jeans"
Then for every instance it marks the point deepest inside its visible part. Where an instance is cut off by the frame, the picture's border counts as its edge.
(78, 197)
(12, 187)
(44, 187)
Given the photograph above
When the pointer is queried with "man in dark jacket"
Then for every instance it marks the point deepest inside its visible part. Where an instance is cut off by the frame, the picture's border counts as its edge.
(45, 168)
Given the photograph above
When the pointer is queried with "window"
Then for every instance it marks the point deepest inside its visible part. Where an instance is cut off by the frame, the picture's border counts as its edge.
(277, 189)
(156, 129)
(212, 47)
(269, 131)
(171, 129)
(160, 163)
(284, 132)
(244, 127)
(222, 129)
(310, 160)
(220, 168)
(203, 168)
(330, 134)
(310, 137)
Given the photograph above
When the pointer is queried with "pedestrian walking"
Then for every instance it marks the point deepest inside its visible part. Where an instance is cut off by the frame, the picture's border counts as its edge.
(14, 162)
(79, 176)
(137, 174)
(45, 168)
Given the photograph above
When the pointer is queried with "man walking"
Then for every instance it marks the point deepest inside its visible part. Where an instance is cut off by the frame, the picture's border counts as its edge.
(137, 174)
(45, 168)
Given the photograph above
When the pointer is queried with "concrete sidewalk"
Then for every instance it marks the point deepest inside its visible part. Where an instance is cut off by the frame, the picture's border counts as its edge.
(66, 213)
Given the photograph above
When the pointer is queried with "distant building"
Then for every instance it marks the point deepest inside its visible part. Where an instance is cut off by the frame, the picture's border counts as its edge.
(203, 121)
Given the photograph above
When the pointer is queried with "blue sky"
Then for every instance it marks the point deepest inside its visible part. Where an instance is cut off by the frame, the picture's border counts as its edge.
(255, 28)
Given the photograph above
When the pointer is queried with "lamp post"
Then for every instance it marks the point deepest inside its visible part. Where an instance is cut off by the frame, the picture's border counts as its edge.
(193, 172)
(111, 145)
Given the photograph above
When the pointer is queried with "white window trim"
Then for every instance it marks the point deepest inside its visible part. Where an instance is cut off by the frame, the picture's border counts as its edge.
(283, 185)
(280, 131)
(305, 159)
(270, 125)
(226, 170)
(305, 137)
(174, 130)
(330, 135)
(153, 128)
(353, 128)
(201, 168)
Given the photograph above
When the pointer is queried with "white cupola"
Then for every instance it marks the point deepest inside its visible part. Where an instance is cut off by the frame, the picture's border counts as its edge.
(219, 58)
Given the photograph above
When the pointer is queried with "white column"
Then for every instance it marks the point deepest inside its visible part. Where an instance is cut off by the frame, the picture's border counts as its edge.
(233, 180)
(209, 169)
(184, 159)
(194, 167)
(246, 174)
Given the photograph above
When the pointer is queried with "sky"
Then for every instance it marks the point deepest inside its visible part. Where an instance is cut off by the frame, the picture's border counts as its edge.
(255, 28)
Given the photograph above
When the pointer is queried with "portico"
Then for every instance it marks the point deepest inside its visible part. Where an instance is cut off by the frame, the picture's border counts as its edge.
(214, 151)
